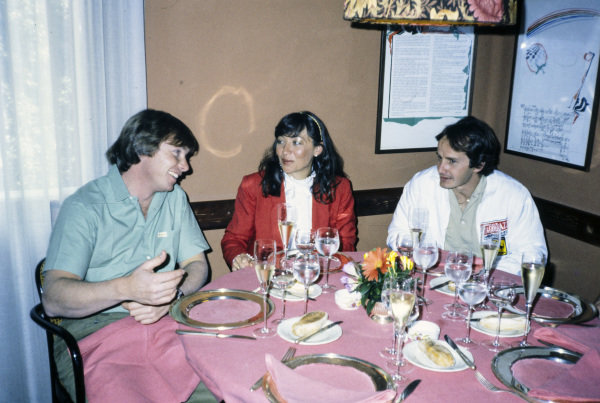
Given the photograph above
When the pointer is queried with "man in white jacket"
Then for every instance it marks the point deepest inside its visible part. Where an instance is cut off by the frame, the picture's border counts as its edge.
(465, 195)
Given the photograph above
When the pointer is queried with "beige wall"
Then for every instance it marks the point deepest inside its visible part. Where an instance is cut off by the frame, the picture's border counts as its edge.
(231, 69)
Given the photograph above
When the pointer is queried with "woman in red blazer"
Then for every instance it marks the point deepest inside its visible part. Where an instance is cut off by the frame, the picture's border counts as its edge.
(303, 168)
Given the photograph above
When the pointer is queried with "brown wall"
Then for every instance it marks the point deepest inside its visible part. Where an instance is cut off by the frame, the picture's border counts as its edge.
(231, 69)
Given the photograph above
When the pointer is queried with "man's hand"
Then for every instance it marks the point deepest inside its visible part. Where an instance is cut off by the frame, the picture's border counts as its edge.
(145, 314)
(150, 288)
(240, 261)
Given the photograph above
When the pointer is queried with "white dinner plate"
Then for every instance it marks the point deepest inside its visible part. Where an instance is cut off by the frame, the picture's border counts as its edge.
(284, 330)
(415, 356)
(445, 289)
(492, 332)
(313, 292)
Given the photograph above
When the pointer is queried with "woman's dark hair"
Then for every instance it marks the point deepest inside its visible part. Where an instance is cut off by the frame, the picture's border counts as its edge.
(475, 138)
(143, 133)
(327, 166)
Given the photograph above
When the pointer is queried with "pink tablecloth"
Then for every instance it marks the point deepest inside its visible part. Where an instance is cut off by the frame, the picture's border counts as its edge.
(230, 366)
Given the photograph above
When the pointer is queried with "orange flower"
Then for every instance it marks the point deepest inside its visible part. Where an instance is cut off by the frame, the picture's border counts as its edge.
(373, 260)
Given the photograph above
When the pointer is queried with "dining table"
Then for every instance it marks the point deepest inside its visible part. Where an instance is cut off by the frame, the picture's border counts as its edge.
(229, 366)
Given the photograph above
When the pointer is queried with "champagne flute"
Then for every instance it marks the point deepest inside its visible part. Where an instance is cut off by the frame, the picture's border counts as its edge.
(489, 243)
(472, 292)
(502, 294)
(458, 268)
(402, 301)
(307, 268)
(265, 251)
(305, 240)
(533, 265)
(327, 241)
(417, 223)
(425, 255)
(286, 220)
(283, 278)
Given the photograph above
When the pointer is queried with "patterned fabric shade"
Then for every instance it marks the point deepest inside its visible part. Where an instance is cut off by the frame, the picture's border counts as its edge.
(432, 12)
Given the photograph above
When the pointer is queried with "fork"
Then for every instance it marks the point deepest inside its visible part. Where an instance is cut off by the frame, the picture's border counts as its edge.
(289, 354)
(490, 386)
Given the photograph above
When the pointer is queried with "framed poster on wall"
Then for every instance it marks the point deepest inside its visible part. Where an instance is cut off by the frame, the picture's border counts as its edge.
(554, 99)
(424, 85)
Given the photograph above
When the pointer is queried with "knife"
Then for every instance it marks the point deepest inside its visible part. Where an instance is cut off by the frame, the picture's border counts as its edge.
(462, 355)
(408, 390)
(440, 285)
(217, 335)
(308, 336)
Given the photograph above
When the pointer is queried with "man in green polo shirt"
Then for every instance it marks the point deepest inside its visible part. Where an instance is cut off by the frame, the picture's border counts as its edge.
(127, 244)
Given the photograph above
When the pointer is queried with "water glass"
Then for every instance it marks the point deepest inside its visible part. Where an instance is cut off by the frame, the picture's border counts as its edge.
(458, 268)
(472, 292)
(307, 268)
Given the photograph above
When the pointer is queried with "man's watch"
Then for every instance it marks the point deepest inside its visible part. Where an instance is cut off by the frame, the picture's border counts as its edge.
(179, 294)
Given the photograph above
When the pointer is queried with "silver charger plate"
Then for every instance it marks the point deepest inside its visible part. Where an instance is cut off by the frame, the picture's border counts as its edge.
(504, 360)
(582, 311)
(381, 379)
(181, 308)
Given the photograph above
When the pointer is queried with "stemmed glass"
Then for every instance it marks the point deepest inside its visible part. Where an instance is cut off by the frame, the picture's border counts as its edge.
(425, 255)
(286, 220)
(307, 268)
(472, 292)
(327, 241)
(265, 251)
(402, 301)
(283, 278)
(305, 240)
(489, 243)
(533, 265)
(502, 294)
(404, 245)
(417, 223)
(458, 268)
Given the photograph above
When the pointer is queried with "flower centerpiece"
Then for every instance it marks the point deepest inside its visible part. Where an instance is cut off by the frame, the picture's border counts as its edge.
(367, 278)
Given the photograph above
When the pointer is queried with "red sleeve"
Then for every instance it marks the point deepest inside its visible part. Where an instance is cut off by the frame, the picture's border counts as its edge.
(241, 230)
(345, 219)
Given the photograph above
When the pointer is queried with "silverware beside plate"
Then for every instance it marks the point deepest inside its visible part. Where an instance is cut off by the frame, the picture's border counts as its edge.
(213, 334)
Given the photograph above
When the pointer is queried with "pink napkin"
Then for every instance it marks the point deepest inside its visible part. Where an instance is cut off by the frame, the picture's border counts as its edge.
(319, 383)
(130, 362)
(556, 381)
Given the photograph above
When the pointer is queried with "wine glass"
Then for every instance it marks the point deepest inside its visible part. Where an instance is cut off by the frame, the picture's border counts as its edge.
(265, 251)
(305, 240)
(502, 294)
(404, 245)
(283, 278)
(472, 292)
(533, 265)
(417, 223)
(402, 301)
(425, 255)
(307, 268)
(489, 243)
(458, 268)
(286, 220)
(327, 241)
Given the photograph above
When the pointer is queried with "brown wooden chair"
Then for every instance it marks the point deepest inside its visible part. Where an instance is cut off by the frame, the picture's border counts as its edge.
(53, 329)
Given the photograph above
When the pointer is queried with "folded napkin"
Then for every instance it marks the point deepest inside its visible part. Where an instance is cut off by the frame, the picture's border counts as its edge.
(130, 362)
(508, 323)
(555, 381)
(321, 383)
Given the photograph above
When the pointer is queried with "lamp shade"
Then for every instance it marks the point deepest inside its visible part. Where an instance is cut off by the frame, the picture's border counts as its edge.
(428, 12)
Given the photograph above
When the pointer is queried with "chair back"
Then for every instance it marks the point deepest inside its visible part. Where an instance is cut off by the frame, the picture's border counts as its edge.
(53, 329)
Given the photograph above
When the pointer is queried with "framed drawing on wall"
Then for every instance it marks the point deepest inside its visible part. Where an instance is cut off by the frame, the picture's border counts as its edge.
(553, 104)
(424, 85)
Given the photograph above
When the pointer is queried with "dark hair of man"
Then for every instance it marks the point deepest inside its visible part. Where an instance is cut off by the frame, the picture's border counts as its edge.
(143, 133)
(327, 166)
(475, 138)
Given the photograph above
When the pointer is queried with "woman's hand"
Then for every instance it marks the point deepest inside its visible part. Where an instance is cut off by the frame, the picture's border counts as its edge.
(240, 261)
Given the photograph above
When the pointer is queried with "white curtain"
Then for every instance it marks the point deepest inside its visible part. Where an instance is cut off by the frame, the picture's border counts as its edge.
(71, 73)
